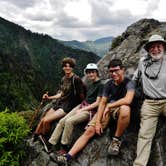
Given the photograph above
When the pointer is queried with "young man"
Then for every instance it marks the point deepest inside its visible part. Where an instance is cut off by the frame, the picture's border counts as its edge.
(118, 93)
(153, 77)
(80, 113)
(70, 94)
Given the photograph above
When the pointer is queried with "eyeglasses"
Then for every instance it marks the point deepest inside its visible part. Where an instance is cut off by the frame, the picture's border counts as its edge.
(116, 71)
(149, 73)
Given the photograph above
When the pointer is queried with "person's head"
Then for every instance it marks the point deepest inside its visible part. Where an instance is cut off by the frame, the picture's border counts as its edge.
(116, 70)
(92, 71)
(68, 65)
(155, 46)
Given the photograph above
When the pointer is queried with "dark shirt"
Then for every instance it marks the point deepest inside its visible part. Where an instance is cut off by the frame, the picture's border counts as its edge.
(71, 89)
(94, 90)
(115, 92)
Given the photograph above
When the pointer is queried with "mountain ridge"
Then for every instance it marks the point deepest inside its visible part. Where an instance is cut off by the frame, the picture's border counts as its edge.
(30, 64)
(99, 46)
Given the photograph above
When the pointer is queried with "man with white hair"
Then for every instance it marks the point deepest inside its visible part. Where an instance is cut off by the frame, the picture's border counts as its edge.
(153, 77)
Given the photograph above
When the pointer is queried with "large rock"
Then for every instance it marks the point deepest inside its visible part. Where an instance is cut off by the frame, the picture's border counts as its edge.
(95, 153)
(129, 48)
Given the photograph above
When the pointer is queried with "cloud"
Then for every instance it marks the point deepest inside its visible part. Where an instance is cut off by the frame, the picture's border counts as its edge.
(151, 7)
(57, 19)
(21, 3)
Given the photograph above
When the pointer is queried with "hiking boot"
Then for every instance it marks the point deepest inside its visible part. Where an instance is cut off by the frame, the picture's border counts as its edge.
(47, 146)
(114, 147)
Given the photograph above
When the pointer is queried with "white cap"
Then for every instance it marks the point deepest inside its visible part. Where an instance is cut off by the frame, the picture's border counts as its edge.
(152, 39)
(91, 66)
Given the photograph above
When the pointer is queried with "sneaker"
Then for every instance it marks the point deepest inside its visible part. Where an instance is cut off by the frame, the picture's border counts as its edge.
(62, 159)
(114, 147)
(47, 146)
(34, 137)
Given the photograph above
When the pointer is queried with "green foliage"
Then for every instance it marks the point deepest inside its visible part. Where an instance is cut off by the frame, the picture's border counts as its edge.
(13, 130)
(116, 42)
(30, 65)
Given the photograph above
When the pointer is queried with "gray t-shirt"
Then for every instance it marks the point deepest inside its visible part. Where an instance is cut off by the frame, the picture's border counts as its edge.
(115, 92)
(154, 88)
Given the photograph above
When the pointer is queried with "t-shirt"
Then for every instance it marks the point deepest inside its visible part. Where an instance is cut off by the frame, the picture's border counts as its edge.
(94, 90)
(71, 89)
(115, 92)
(154, 88)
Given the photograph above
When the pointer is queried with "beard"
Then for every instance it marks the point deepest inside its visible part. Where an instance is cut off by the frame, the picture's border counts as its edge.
(157, 56)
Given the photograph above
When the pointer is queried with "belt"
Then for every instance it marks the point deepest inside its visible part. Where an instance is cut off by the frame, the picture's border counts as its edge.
(151, 98)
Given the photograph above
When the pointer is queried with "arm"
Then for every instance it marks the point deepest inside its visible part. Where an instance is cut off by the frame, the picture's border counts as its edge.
(57, 96)
(91, 106)
(123, 101)
(100, 111)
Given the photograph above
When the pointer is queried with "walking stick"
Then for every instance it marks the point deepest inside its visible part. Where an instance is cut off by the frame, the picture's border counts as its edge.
(36, 112)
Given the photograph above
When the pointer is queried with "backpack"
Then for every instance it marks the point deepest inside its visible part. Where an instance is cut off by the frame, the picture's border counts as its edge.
(139, 94)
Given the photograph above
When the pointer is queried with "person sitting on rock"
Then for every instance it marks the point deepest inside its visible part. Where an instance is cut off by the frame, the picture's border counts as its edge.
(153, 77)
(80, 113)
(70, 94)
(117, 96)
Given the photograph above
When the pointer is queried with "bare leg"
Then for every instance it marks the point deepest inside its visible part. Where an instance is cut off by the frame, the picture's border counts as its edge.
(123, 120)
(82, 140)
(45, 123)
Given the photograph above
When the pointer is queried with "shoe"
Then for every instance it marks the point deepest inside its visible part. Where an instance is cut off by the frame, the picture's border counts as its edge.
(34, 137)
(62, 159)
(47, 146)
(114, 147)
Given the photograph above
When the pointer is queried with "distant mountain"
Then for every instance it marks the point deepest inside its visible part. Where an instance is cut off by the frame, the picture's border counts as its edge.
(30, 64)
(100, 46)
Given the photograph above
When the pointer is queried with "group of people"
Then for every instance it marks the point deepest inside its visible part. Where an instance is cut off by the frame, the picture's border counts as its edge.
(114, 98)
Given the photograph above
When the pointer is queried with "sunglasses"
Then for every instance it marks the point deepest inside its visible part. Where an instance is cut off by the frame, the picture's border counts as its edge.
(148, 73)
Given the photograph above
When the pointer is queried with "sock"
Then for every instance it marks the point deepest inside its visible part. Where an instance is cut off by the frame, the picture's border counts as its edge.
(116, 137)
(68, 156)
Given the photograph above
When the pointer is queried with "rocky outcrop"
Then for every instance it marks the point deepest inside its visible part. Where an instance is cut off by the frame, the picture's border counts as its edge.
(129, 46)
(129, 49)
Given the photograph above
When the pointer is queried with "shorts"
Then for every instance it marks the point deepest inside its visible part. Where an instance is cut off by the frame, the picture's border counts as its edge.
(105, 121)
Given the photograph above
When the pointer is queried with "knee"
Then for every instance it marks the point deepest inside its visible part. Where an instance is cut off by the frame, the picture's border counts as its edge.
(45, 120)
(90, 132)
(69, 122)
(61, 122)
(124, 112)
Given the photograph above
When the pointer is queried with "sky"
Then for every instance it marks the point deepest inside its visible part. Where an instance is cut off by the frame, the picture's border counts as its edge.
(80, 19)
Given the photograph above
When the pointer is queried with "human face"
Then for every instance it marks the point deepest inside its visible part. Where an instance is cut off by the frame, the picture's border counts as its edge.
(117, 74)
(67, 69)
(92, 75)
(156, 50)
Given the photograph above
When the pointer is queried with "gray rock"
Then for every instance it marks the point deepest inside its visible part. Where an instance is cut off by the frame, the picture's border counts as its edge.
(129, 49)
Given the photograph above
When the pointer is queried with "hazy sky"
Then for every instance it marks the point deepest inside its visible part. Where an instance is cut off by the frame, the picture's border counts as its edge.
(80, 19)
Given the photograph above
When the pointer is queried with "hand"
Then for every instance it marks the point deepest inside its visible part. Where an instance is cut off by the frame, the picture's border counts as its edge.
(106, 111)
(98, 128)
(45, 96)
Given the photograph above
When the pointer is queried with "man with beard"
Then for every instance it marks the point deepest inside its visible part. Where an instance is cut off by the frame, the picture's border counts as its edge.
(153, 77)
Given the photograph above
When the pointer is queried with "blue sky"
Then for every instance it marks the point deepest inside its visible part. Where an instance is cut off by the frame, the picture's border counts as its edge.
(80, 19)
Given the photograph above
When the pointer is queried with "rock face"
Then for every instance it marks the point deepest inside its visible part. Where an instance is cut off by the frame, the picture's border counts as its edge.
(128, 47)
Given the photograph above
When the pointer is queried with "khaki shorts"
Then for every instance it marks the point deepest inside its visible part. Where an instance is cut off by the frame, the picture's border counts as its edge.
(105, 121)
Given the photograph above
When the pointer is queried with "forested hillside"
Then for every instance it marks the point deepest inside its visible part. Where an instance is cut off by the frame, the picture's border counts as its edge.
(30, 65)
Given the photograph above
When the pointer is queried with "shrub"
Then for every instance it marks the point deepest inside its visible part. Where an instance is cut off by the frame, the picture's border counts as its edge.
(13, 130)
(116, 42)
